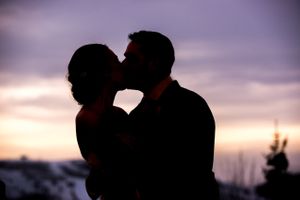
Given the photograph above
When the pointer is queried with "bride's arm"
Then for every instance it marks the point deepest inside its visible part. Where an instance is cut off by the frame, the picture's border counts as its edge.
(86, 132)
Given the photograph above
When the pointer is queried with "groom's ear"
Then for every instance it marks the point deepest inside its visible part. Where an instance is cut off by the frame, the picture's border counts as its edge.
(153, 64)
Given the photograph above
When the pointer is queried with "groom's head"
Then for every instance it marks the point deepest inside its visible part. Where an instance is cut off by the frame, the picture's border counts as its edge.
(149, 58)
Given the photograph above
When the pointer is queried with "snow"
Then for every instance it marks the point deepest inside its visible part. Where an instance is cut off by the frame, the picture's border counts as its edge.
(65, 180)
(61, 180)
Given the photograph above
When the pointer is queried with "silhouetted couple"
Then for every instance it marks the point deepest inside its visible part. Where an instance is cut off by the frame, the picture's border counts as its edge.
(164, 148)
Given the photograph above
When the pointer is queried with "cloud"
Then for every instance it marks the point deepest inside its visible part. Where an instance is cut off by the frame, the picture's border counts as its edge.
(242, 57)
(39, 38)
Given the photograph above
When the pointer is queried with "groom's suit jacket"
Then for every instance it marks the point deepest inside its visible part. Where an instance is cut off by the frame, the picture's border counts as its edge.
(175, 146)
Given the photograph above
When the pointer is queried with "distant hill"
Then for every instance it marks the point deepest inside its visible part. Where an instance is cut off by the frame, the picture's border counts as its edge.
(40, 180)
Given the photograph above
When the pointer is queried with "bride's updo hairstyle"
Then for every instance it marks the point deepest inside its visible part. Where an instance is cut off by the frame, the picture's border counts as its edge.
(88, 70)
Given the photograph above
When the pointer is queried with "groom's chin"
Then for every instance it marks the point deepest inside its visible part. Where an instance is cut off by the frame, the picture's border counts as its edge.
(121, 87)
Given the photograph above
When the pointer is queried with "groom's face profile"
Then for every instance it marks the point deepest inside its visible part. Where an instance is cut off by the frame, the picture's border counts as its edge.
(135, 67)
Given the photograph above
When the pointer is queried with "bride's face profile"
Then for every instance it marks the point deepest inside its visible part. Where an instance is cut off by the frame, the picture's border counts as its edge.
(117, 75)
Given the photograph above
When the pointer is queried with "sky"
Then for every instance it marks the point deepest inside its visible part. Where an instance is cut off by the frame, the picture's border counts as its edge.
(241, 56)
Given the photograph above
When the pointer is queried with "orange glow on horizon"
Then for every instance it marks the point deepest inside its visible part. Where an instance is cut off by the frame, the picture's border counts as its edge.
(37, 120)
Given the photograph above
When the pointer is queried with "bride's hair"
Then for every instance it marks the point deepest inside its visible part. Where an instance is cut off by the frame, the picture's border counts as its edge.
(88, 69)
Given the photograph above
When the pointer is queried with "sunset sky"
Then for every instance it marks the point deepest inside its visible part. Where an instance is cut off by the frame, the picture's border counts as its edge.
(242, 56)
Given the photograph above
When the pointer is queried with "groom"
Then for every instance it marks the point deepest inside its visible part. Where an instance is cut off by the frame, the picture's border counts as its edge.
(174, 126)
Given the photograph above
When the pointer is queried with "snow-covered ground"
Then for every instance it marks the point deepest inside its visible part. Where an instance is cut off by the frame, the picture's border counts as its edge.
(64, 180)
(56, 180)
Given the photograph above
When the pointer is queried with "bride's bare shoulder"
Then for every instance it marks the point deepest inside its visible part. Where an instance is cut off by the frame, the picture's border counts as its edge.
(86, 117)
